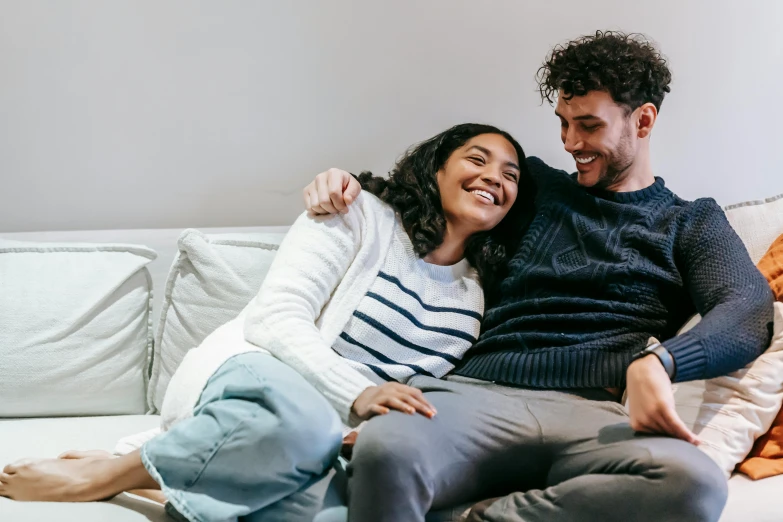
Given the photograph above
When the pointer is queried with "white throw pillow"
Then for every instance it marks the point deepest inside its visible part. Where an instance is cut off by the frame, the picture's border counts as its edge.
(210, 282)
(729, 413)
(75, 329)
(758, 223)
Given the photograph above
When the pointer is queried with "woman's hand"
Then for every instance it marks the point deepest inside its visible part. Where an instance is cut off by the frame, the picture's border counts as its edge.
(331, 192)
(651, 401)
(378, 400)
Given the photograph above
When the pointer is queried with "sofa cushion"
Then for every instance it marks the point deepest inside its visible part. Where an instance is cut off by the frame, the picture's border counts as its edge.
(22, 438)
(210, 282)
(755, 501)
(757, 223)
(75, 333)
(729, 413)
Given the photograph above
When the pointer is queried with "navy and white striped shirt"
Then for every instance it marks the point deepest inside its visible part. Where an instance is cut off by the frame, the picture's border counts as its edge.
(416, 318)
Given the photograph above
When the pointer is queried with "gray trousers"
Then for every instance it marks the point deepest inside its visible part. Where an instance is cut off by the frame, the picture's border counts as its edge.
(548, 455)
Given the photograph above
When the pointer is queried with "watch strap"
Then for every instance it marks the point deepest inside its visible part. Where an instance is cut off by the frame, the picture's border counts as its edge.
(663, 355)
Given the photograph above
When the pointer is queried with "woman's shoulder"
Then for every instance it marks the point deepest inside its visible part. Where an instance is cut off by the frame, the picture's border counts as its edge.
(371, 201)
(367, 216)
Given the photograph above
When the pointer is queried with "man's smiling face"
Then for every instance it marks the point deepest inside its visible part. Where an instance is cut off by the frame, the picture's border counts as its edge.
(599, 133)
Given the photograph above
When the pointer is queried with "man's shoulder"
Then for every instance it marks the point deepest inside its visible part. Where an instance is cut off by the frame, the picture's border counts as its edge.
(545, 175)
(701, 208)
(539, 168)
(683, 210)
(701, 221)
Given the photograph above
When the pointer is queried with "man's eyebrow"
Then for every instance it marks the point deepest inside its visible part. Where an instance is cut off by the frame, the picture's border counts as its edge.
(488, 153)
(580, 118)
(586, 117)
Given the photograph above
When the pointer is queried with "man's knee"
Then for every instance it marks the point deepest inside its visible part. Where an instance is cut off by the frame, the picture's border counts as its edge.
(692, 486)
(387, 445)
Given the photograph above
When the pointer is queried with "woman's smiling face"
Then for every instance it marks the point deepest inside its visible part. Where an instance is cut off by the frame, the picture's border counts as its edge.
(478, 183)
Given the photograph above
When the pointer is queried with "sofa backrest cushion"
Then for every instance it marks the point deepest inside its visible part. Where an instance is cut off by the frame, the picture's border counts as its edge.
(757, 223)
(75, 329)
(211, 280)
(729, 413)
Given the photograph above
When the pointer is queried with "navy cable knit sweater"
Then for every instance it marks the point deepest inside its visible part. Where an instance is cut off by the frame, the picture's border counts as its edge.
(597, 273)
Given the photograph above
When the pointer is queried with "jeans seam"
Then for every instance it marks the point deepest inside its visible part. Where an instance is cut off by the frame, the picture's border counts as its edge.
(216, 448)
(172, 495)
(219, 444)
(248, 369)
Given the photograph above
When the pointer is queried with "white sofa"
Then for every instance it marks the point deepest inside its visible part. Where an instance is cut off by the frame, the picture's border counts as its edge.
(49, 436)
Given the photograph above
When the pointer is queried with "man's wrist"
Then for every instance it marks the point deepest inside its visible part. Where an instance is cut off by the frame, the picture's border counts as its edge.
(663, 356)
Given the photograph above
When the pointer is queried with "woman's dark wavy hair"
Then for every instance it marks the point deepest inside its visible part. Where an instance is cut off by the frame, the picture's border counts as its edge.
(412, 190)
(627, 66)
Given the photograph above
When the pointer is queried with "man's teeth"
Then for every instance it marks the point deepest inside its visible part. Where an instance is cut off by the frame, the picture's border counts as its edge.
(484, 194)
(586, 160)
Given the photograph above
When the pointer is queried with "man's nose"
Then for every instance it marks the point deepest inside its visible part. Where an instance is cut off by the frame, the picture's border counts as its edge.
(572, 141)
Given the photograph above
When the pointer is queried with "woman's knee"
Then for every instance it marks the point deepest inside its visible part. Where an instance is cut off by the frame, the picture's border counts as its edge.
(293, 418)
(311, 430)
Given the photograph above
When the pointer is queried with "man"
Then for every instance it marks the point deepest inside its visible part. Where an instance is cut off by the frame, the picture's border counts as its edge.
(611, 259)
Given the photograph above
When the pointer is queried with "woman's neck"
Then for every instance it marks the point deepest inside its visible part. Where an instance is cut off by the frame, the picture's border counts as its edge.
(451, 250)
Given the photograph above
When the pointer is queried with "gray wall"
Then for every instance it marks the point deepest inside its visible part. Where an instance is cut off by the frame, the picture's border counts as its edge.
(174, 113)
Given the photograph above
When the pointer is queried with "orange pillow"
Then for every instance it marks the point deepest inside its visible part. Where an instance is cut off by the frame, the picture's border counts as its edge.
(766, 457)
(771, 265)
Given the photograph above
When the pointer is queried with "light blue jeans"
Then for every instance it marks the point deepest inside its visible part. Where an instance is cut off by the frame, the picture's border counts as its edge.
(259, 437)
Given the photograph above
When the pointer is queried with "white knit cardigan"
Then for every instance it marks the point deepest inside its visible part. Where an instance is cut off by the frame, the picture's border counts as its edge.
(324, 266)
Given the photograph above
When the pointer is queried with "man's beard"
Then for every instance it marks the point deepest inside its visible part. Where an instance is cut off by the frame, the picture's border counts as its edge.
(618, 162)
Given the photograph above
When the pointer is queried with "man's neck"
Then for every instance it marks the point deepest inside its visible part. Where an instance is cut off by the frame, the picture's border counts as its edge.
(638, 176)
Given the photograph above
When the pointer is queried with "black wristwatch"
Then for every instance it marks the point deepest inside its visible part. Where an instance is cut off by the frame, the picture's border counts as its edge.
(663, 355)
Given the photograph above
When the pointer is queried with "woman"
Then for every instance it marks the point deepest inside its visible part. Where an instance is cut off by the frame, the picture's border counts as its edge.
(353, 306)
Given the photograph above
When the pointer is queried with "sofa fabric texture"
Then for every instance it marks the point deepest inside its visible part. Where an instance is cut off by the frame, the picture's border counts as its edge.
(75, 329)
(210, 282)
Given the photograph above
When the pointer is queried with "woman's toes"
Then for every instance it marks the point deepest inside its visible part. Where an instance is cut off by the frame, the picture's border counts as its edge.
(14, 467)
(4, 480)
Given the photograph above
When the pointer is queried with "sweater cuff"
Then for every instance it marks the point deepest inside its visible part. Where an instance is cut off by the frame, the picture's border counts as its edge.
(689, 357)
(344, 386)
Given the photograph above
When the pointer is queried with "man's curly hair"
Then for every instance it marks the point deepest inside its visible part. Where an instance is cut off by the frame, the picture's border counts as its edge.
(627, 66)
(412, 190)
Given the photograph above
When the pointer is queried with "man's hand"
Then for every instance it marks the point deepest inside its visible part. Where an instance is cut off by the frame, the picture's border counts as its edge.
(651, 400)
(378, 400)
(331, 192)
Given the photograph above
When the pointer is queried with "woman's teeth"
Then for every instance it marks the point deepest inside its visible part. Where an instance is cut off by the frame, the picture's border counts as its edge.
(585, 161)
(486, 195)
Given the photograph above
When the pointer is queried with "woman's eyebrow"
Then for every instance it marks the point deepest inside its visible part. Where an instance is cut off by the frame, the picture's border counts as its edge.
(488, 153)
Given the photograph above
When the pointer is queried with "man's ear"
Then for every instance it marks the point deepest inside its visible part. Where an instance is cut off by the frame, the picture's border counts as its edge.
(645, 119)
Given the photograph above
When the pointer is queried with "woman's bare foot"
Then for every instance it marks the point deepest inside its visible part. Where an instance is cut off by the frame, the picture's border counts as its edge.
(74, 479)
(54, 480)
(156, 495)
